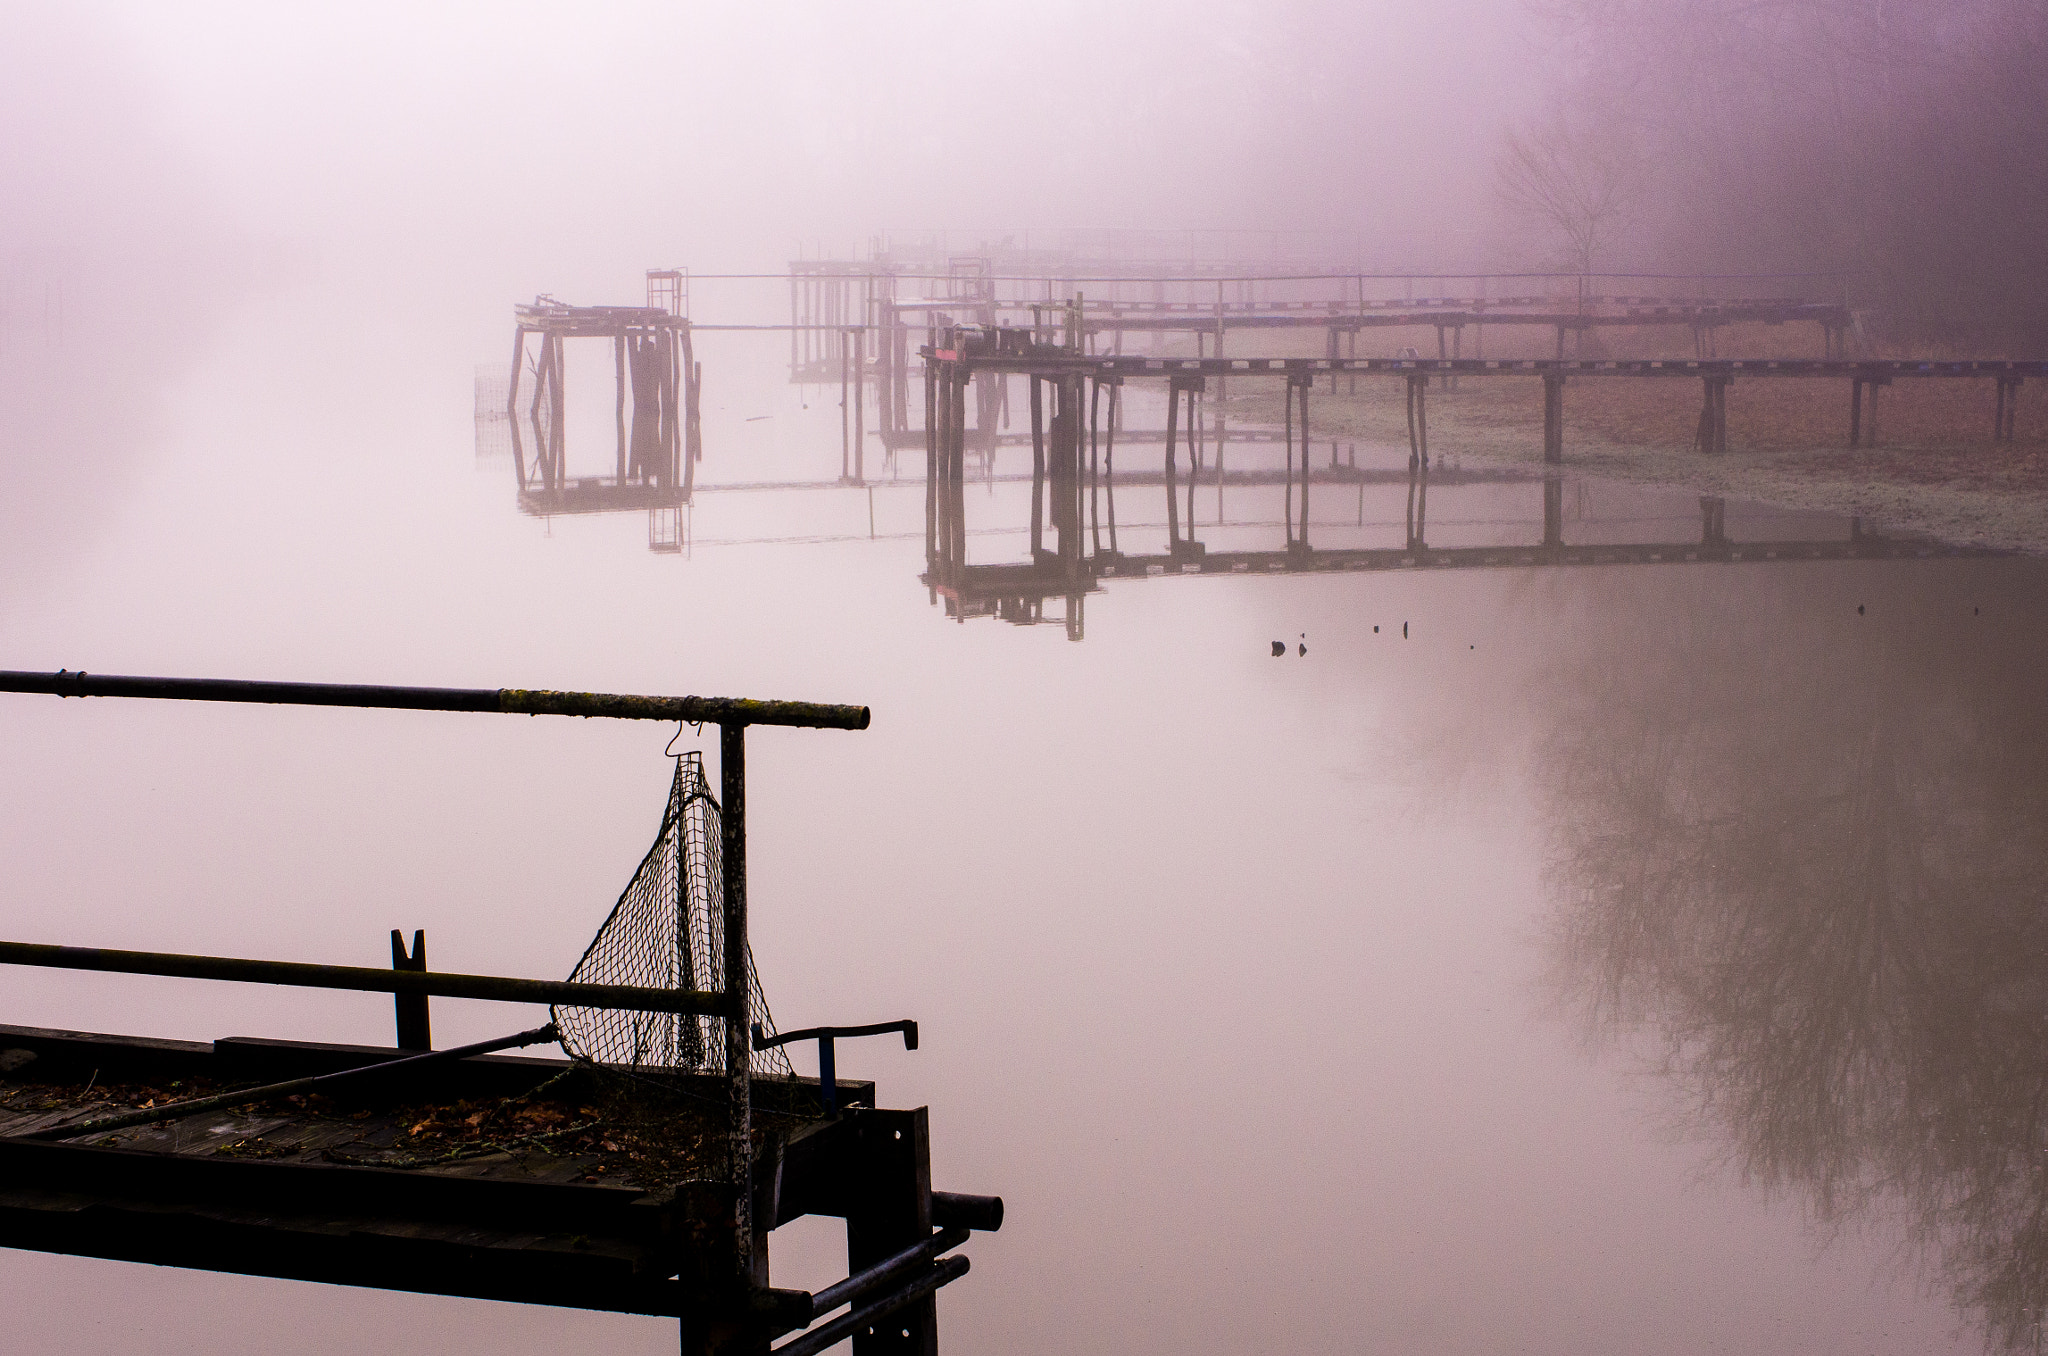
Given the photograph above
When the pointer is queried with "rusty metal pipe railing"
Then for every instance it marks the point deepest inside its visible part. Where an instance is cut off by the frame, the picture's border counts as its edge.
(497, 988)
(887, 1272)
(846, 1325)
(726, 711)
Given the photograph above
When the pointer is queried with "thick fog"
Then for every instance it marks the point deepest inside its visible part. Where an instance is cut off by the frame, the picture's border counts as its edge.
(1258, 981)
(403, 173)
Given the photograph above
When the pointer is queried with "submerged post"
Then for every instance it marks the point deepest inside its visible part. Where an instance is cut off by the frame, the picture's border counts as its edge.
(1553, 417)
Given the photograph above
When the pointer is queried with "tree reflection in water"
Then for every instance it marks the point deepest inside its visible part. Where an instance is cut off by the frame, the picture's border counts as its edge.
(1807, 852)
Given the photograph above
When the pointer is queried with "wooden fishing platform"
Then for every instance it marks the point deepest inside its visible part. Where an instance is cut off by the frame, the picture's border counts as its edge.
(495, 1177)
(650, 1186)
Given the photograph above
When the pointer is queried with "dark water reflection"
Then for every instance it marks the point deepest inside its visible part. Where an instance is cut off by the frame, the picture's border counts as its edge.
(1800, 834)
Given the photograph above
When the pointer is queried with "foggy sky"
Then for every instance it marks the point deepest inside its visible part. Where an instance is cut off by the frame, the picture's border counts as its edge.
(167, 167)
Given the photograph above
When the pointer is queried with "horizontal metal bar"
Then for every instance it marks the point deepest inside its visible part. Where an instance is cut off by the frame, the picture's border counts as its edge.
(1058, 363)
(886, 1272)
(193, 1106)
(763, 1041)
(507, 700)
(984, 1213)
(846, 1325)
(622, 997)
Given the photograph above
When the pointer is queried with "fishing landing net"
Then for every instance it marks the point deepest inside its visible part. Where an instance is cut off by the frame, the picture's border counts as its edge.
(667, 932)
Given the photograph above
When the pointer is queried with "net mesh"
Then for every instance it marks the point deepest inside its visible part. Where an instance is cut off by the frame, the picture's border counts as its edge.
(667, 932)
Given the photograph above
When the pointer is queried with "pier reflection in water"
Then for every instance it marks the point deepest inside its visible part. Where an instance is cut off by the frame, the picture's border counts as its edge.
(1502, 519)
(1801, 851)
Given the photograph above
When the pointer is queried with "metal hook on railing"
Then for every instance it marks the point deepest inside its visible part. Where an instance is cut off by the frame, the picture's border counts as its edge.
(828, 1086)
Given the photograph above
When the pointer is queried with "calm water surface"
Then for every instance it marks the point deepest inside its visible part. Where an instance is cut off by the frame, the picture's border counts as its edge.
(1622, 959)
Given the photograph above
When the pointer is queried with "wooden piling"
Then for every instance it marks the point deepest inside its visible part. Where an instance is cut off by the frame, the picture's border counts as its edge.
(1037, 466)
(1172, 505)
(1094, 466)
(1553, 417)
(1109, 461)
(931, 470)
(619, 375)
(1712, 434)
(1287, 503)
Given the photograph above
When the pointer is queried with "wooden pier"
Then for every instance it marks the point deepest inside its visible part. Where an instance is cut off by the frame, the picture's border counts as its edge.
(658, 438)
(857, 323)
(1075, 476)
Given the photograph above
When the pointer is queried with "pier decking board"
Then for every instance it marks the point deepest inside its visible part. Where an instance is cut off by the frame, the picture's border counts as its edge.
(298, 1192)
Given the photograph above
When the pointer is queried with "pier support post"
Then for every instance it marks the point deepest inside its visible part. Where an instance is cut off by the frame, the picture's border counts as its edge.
(512, 400)
(956, 463)
(1038, 465)
(2007, 407)
(1862, 426)
(1713, 521)
(1418, 506)
(1298, 387)
(619, 397)
(1172, 433)
(1109, 461)
(1179, 389)
(1418, 419)
(860, 417)
(931, 467)
(1553, 418)
(1712, 434)
(1094, 467)
(1553, 512)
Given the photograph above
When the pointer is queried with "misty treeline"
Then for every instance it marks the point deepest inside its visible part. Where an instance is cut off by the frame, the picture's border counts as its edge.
(1897, 141)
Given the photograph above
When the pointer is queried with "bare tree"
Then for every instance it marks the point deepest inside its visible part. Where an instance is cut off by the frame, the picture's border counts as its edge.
(1584, 187)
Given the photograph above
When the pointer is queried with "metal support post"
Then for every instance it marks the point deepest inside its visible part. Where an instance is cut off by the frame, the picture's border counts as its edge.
(732, 768)
(411, 1008)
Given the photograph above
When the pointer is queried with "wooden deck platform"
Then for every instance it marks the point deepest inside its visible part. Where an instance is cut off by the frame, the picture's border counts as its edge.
(495, 1177)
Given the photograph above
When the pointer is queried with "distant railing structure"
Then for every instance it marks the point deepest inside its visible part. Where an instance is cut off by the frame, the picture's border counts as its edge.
(658, 379)
(1074, 446)
(857, 321)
